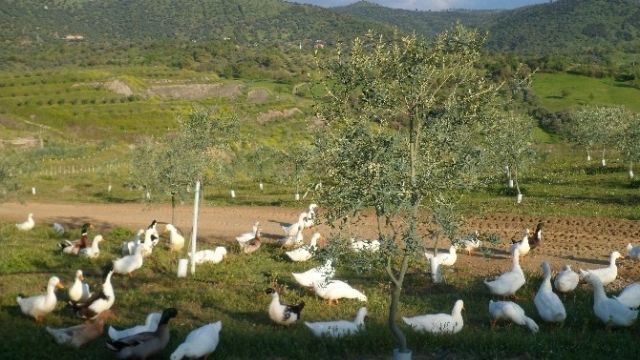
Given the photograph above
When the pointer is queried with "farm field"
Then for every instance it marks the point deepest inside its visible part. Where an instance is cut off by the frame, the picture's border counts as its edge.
(233, 291)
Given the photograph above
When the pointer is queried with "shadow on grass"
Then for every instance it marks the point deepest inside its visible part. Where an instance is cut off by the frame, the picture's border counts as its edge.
(587, 260)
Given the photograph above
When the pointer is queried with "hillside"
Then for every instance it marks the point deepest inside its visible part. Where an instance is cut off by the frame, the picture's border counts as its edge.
(246, 21)
(588, 29)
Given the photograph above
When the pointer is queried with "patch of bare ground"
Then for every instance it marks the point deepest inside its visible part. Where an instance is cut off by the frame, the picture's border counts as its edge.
(195, 91)
(578, 241)
(258, 96)
(271, 115)
(117, 86)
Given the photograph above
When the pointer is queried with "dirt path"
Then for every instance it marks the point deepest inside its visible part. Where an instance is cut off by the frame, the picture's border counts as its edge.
(580, 242)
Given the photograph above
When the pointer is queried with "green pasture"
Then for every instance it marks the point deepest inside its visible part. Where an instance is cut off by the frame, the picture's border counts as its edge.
(233, 292)
(559, 91)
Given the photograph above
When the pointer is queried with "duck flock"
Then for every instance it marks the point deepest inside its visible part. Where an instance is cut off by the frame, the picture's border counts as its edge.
(153, 336)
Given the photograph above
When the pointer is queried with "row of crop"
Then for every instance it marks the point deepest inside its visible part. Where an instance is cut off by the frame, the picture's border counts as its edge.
(85, 101)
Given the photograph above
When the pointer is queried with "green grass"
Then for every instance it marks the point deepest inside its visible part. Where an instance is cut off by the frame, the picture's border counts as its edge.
(233, 292)
(559, 91)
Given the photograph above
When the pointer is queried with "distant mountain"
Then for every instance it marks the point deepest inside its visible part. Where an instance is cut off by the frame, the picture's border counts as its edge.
(422, 22)
(247, 21)
(563, 26)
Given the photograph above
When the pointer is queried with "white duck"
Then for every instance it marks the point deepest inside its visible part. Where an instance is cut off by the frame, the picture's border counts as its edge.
(633, 252)
(510, 311)
(521, 246)
(310, 219)
(214, 256)
(98, 302)
(319, 273)
(150, 325)
(304, 252)
(549, 306)
(176, 240)
(566, 280)
(280, 313)
(40, 305)
(364, 245)
(630, 296)
(292, 230)
(445, 259)
(79, 291)
(332, 290)
(150, 239)
(200, 343)
(606, 275)
(508, 283)
(338, 328)
(130, 263)
(128, 247)
(439, 323)
(245, 238)
(470, 242)
(92, 251)
(27, 225)
(610, 311)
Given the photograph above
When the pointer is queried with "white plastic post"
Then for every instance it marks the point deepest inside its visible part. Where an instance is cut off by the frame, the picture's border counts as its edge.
(261, 186)
(519, 198)
(604, 162)
(33, 190)
(233, 194)
(631, 174)
(297, 197)
(194, 230)
(109, 188)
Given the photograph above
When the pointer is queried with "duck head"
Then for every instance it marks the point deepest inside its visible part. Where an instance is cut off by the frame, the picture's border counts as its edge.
(167, 314)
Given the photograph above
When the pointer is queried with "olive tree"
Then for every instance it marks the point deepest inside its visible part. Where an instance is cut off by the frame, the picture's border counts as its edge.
(598, 126)
(514, 137)
(629, 143)
(174, 163)
(408, 124)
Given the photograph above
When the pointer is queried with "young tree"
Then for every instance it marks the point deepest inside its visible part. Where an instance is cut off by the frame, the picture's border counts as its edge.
(408, 125)
(514, 138)
(599, 126)
(629, 143)
(176, 163)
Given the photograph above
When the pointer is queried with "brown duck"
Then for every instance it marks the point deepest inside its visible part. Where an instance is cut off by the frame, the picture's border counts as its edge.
(79, 335)
(146, 344)
(536, 239)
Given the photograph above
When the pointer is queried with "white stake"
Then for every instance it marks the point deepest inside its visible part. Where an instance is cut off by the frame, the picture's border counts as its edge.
(33, 190)
(109, 188)
(519, 198)
(194, 230)
(297, 197)
(604, 162)
(261, 186)
(233, 194)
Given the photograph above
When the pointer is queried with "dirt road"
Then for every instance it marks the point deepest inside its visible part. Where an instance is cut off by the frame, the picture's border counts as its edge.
(580, 242)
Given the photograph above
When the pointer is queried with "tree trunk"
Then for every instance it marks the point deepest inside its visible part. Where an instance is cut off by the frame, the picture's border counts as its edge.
(631, 174)
(173, 208)
(588, 154)
(604, 162)
(515, 177)
(396, 290)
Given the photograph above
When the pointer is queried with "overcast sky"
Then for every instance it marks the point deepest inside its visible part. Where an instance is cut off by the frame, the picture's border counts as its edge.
(432, 4)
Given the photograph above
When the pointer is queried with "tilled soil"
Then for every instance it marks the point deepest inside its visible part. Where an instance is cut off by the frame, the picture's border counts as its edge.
(580, 242)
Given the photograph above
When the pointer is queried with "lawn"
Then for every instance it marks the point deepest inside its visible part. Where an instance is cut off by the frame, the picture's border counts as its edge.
(233, 292)
(559, 91)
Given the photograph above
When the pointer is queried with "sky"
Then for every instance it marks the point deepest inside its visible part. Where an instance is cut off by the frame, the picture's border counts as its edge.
(432, 4)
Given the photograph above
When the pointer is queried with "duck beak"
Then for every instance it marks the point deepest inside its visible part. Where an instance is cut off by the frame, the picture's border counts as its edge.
(81, 277)
(60, 286)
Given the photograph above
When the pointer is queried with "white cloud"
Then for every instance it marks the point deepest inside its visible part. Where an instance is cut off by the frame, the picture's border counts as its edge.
(432, 4)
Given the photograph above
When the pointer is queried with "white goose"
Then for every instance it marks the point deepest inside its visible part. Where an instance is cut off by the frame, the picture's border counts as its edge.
(445, 259)
(280, 313)
(521, 246)
(58, 228)
(130, 263)
(293, 235)
(304, 252)
(610, 311)
(310, 219)
(510, 311)
(244, 238)
(365, 245)
(92, 251)
(630, 296)
(213, 256)
(338, 328)
(128, 247)
(200, 343)
(79, 291)
(606, 275)
(439, 323)
(40, 305)
(98, 302)
(27, 225)
(150, 325)
(292, 230)
(176, 240)
(549, 306)
(508, 283)
(319, 273)
(470, 242)
(633, 252)
(333, 290)
(567, 280)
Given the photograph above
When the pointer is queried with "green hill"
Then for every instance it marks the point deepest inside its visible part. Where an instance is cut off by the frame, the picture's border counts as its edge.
(246, 21)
